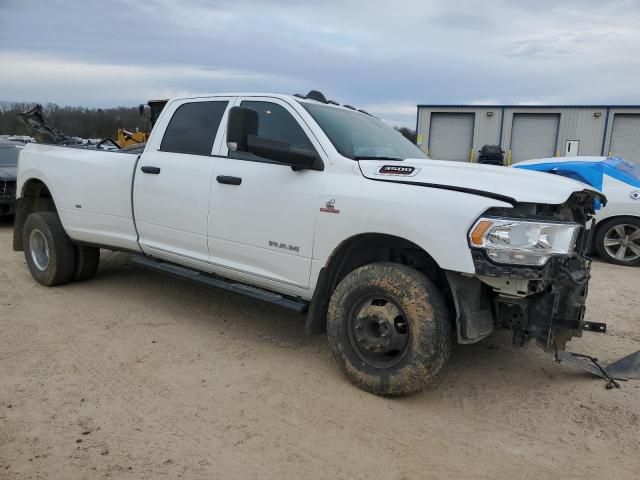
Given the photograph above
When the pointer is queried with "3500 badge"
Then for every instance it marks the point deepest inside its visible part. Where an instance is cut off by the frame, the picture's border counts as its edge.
(396, 170)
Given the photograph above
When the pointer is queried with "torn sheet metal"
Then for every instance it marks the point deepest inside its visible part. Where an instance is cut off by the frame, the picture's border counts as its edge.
(626, 368)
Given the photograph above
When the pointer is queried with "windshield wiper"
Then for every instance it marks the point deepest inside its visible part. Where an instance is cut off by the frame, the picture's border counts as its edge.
(379, 158)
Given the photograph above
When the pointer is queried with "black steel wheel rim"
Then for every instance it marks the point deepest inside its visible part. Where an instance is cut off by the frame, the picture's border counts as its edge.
(378, 331)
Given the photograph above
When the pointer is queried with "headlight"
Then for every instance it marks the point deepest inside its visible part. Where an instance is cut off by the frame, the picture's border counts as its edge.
(523, 242)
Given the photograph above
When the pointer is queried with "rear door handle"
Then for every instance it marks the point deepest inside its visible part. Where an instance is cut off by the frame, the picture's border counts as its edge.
(229, 180)
(151, 170)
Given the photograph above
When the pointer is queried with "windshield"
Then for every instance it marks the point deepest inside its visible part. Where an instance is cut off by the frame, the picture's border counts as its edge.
(361, 137)
(9, 155)
(626, 167)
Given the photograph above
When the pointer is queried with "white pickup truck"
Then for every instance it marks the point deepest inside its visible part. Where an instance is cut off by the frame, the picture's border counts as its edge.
(326, 210)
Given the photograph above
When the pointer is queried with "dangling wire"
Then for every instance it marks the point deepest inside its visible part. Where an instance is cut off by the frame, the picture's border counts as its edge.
(611, 382)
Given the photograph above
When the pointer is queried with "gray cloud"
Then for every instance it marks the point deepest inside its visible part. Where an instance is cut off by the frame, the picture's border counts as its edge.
(377, 54)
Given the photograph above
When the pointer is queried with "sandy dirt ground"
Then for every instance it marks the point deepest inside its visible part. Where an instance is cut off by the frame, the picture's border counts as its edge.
(137, 375)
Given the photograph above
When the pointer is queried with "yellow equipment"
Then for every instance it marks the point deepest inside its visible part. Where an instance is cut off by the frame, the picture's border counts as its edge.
(131, 139)
(126, 138)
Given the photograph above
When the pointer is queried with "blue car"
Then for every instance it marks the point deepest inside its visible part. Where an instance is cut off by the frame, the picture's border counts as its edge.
(617, 234)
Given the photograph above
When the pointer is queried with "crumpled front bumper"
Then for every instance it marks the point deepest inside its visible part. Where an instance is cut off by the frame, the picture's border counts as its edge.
(553, 311)
(546, 304)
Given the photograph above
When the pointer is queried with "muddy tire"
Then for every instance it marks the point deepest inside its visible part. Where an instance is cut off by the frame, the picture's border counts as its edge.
(87, 261)
(618, 241)
(50, 254)
(389, 329)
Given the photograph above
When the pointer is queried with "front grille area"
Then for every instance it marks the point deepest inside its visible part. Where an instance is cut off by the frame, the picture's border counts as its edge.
(8, 188)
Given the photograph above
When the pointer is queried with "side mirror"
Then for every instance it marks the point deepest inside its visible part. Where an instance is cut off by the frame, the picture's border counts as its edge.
(281, 152)
(242, 136)
(243, 121)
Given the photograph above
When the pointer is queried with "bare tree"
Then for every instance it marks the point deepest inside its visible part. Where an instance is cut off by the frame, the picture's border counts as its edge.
(408, 133)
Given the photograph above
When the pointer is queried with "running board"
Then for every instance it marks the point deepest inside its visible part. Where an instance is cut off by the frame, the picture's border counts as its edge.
(219, 282)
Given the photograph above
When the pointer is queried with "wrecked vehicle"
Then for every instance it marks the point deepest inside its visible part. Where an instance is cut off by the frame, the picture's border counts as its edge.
(9, 151)
(327, 211)
(43, 132)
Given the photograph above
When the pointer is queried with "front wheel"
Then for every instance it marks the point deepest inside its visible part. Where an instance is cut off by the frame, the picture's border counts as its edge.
(618, 241)
(389, 329)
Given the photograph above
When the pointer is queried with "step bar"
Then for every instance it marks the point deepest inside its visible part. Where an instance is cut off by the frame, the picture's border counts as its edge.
(215, 281)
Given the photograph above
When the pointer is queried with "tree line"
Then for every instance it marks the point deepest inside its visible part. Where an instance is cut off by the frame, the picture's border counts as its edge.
(408, 134)
(90, 122)
(74, 121)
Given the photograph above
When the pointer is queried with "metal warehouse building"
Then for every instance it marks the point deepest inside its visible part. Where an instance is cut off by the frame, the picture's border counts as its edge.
(448, 132)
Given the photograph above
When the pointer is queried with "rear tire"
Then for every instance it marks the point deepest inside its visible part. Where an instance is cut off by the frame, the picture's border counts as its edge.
(618, 241)
(87, 261)
(50, 254)
(389, 329)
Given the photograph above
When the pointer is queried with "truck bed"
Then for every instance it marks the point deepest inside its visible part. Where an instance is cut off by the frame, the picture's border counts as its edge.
(91, 190)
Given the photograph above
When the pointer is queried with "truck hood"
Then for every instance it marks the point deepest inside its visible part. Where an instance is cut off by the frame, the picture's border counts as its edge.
(511, 185)
(8, 173)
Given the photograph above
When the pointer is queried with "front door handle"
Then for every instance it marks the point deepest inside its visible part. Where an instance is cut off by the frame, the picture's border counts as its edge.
(229, 180)
(151, 170)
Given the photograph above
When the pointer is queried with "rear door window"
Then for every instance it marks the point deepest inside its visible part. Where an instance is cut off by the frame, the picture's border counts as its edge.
(193, 128)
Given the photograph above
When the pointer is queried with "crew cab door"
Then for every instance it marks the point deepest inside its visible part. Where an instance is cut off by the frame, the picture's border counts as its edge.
(173, 179)
(262, 213)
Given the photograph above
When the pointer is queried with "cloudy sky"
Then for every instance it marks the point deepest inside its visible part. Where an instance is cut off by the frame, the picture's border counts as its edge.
(385, 56)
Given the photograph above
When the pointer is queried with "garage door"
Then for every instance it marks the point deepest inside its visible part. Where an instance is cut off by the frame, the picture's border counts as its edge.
(451, 136)
(625, 137)
(534, 135)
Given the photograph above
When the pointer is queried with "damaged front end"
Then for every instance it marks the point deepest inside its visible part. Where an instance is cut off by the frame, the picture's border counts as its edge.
(547, 306)
(532, 273)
